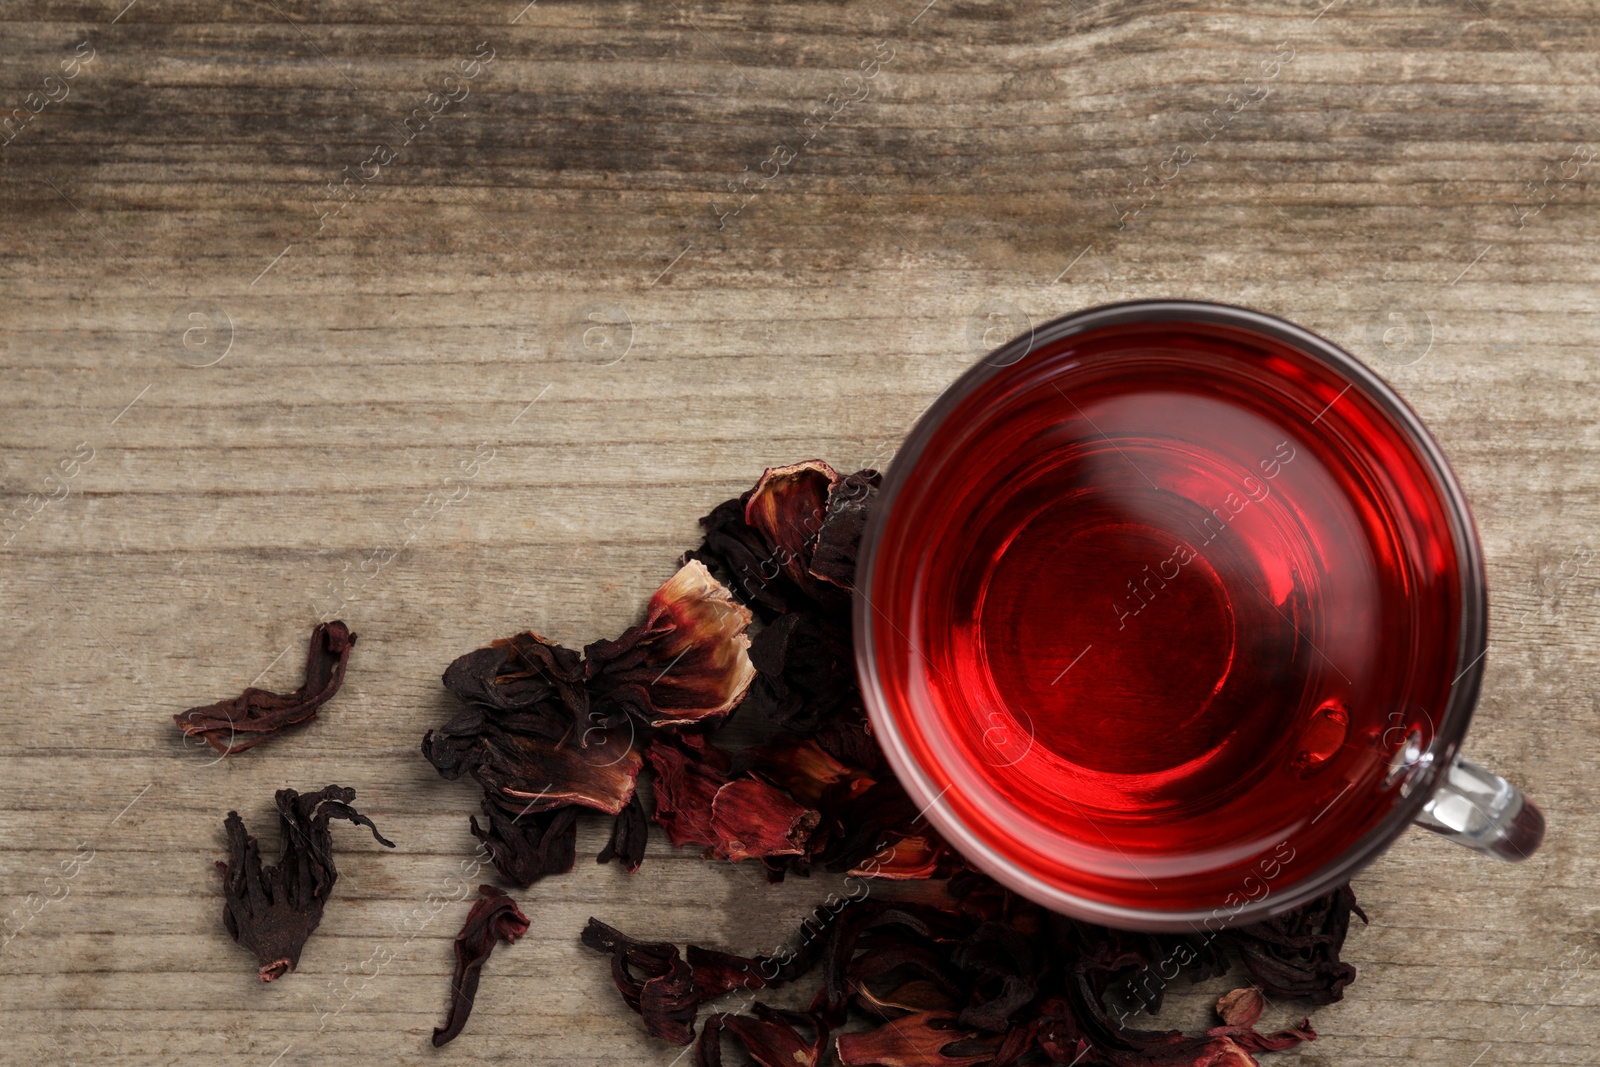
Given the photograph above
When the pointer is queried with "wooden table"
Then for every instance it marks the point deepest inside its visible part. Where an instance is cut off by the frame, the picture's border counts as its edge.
(271, 279)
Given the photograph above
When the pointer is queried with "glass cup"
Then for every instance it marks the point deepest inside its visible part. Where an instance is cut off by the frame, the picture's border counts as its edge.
(1172, 613)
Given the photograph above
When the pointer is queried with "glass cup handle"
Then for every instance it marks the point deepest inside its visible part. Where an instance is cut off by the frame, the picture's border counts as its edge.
(1486, 813)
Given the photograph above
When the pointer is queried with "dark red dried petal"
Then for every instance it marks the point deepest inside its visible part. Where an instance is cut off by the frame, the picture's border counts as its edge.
(256, 715)
(526, 848)
(788, 506)
(839, 541)
(913, 857)
(526, 774)
(1188, 1052)
(1002, 972)
(494, 917)
(272, 911)
(914, 1041)
(630, 832)
(772, 1038)
(1297, 954)
(1242, 1007)
(519, 673)
(798, 765)
(805, 672)
(752, 820)
(686, 663)
(739, 554)
(716, 973)
(652, 978)
(1251, 1040)
(689, 771)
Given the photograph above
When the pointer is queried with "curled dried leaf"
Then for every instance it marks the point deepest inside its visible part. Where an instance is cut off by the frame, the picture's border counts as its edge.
(522, 673)
(523, 774)
(788, 507)
(257, 715)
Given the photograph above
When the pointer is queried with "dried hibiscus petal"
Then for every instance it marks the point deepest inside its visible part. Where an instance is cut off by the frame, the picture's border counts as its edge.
(734, 819)
(527, 847)
(805, 673)
(1297, 954)
(787, 507)
(527, 774)
(256, 715)
(653, 979)
(772, 1038)
(740, 554)
(522, 671)
(272, 911)
(494, 917)
(689, 771)
(1241, 1010)
(689, 661)
(839, 540)
(630, 831)
(1242, 1007)
(918, 1040)
(751, 819)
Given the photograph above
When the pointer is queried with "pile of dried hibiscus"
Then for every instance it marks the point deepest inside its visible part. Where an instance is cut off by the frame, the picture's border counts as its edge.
(984, 979)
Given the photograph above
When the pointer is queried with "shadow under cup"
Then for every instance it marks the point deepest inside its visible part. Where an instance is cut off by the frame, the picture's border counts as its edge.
(1170, 613)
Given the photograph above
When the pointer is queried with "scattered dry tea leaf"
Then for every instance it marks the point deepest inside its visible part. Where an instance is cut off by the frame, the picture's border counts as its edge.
(256, 715)
(494, 917)
(272, 911)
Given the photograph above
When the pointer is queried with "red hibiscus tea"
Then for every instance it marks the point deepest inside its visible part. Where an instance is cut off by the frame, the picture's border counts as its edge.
(1165, 612)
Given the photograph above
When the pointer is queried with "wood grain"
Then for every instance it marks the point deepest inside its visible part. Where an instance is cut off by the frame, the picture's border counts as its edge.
(555, 267)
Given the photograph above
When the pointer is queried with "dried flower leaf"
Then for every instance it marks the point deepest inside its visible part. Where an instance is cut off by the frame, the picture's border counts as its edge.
(525, 774)
(272, 911)
(630, 832)
(256, 715)
(916, 1040)
(1297, 954)
(700, 804)
(751, 819)
(689, 771)
(1242, 1007)
(494, 917)
(521, 672)
(805, 673)
(686, 663)
(788, 507)
(652, 978)
(839, 541)
(526, 848)
(772, 1038)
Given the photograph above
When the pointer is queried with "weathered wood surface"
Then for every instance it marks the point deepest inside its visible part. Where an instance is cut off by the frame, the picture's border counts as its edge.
(554, 267)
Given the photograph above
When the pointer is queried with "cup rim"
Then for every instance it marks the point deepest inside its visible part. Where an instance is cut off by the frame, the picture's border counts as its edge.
(1471, 640)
